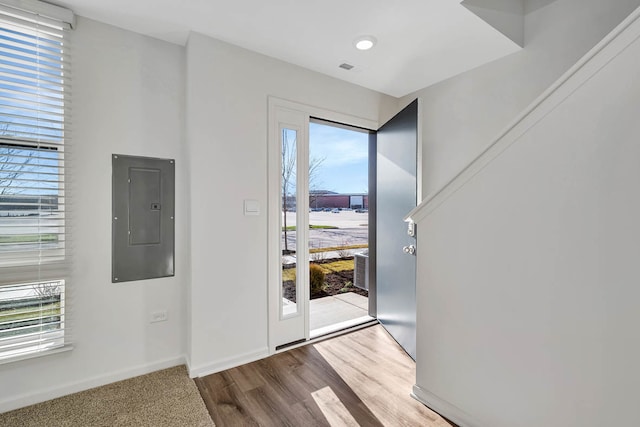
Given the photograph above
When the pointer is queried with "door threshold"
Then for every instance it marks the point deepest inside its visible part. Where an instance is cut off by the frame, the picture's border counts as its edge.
(367, 322)
(340, 326)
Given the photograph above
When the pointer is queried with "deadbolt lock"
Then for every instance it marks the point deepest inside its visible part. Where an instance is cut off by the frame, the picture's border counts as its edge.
(409, 250)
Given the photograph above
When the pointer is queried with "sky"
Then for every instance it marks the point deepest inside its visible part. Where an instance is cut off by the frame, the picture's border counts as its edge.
(345, 153)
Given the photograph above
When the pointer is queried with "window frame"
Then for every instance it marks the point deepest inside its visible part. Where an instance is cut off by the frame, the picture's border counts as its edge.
(35, 92)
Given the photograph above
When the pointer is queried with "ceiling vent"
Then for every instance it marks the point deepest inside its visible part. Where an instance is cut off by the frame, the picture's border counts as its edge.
(346, 66)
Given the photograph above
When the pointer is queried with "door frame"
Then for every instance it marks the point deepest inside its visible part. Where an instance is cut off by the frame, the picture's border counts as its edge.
(419, 150)
(276, 107)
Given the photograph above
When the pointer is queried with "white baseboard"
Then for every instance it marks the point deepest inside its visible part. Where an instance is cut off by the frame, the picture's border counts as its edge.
(27, 399)
(231, 362)
(444, 408)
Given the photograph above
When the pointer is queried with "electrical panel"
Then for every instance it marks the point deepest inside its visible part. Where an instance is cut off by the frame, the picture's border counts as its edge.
(143, 218)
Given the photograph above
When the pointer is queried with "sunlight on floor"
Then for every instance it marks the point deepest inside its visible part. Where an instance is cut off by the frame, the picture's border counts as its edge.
(381, 374)
(333, 409)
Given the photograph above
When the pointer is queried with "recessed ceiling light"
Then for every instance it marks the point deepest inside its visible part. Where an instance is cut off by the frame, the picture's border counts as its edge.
(365, 42)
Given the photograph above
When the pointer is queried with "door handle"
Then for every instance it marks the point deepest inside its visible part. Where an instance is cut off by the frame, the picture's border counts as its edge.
(409, 250)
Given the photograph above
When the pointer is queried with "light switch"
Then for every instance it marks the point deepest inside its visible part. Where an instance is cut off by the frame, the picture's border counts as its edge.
(251, 207)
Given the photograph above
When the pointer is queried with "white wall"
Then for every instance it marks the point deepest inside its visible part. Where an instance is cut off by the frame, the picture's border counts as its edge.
(128, 98)
(528, 280)
(227, 90)
(466, 113)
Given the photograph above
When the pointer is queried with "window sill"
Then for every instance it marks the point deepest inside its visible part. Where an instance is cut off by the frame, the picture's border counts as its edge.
(63, 349)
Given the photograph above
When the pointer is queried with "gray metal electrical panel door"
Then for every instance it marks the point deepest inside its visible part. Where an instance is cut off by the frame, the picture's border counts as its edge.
(143, 218)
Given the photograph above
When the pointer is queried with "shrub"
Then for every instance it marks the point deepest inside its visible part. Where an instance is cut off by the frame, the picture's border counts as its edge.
(343, 250)
(344, 253)
(318, 256)
(347, 287)
(316, 278)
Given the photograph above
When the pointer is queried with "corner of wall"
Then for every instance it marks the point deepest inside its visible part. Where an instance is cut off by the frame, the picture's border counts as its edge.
(228, 363)
(442, 407)
(506, 16)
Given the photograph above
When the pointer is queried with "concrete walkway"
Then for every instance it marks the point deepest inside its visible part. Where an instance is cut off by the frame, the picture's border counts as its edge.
(325, 313)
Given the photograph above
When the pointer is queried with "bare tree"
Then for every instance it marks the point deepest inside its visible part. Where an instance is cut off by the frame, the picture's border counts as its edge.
(14, 162)
(18, 162)
(47, 289)
(288, 182)
(315, 165)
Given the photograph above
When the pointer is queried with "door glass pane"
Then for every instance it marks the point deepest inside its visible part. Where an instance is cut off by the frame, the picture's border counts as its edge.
(290, 288)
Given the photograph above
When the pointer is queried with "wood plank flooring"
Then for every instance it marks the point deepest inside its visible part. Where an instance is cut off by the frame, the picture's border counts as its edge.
(362, 378)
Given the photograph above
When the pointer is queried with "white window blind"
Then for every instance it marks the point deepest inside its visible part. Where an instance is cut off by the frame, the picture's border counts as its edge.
(34, 138)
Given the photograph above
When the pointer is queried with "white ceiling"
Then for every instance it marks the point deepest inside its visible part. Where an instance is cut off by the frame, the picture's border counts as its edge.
(420, 42)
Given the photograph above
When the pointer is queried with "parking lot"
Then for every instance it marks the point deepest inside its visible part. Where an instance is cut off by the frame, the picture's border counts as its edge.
(342, 219)
(352, 229)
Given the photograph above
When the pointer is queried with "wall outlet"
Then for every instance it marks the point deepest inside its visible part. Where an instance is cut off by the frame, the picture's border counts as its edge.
(159, 316)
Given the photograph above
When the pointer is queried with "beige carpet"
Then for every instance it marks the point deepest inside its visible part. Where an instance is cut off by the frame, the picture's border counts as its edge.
(163, 398)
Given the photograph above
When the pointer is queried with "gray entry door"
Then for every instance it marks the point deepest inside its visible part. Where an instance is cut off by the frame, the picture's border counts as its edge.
(396, 187)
